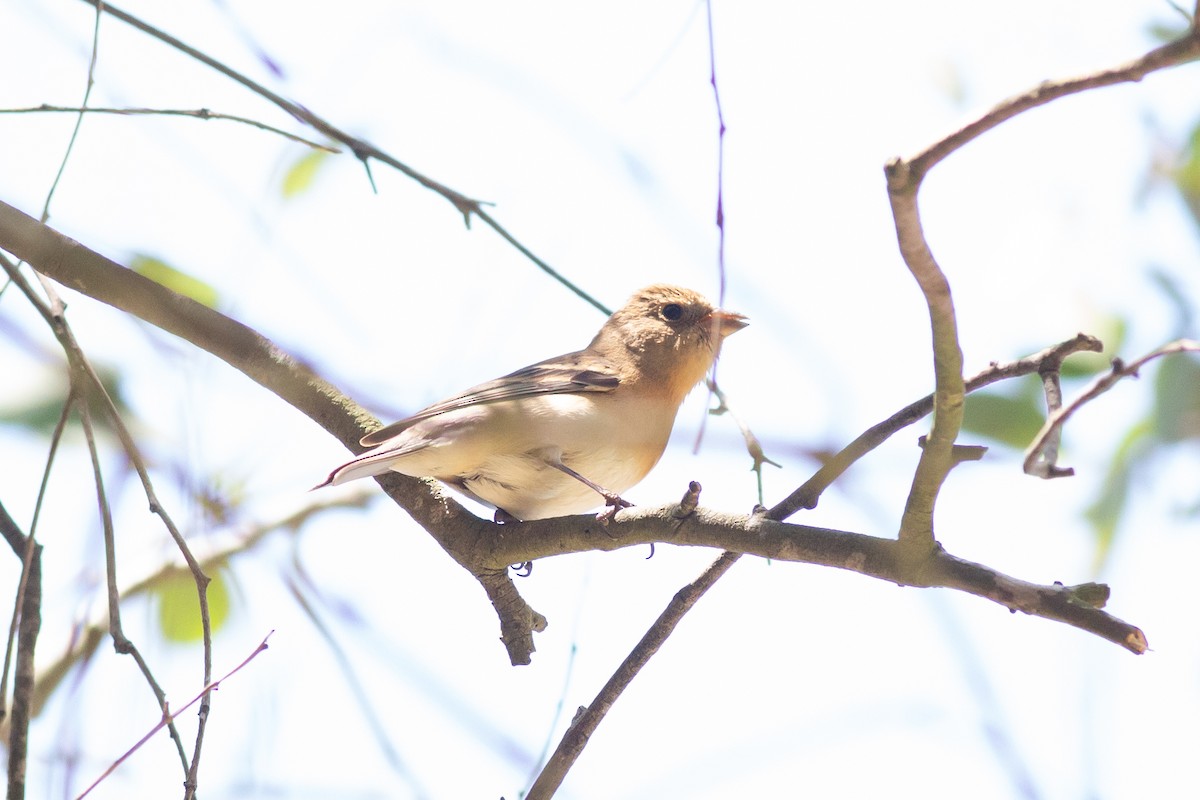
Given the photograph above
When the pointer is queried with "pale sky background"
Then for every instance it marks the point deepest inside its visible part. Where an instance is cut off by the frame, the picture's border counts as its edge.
(592, 129)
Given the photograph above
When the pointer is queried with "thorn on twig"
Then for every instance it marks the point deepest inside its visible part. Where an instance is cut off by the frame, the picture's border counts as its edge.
(370, 175)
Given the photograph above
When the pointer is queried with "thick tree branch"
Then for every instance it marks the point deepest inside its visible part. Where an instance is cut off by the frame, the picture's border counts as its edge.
(916, 525)
(482, 547)
(76, 267)
(883, 558)
(904, 177)
(90, 273)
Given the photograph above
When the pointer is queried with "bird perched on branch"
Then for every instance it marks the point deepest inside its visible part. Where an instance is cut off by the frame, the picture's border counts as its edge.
(558, 436)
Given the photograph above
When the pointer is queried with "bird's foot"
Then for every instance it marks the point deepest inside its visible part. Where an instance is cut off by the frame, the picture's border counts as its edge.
(615, 503)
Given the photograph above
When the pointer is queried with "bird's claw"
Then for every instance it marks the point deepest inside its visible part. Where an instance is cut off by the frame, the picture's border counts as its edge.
(615, 504)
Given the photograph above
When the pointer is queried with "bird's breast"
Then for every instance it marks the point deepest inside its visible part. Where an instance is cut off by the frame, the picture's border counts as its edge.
(610, 441)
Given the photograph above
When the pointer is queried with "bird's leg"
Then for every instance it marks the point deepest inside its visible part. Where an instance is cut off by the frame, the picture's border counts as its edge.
(614, 501)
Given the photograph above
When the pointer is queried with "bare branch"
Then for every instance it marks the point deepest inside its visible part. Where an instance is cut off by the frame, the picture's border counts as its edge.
(197, 113)
(86, 383)
(87, 638)
(916, 525)
(1052, 389)
(904, 178)
(11, 533)
(87, 93)
(29, 611)
(363, 150)
(886, 559)
(588, 718)
(1041, 454)
(1169, 55)
(809, 493)
(478, 545)
(170, 718)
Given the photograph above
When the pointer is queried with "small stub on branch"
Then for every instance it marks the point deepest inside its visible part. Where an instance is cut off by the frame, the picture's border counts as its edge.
(689, 502)
(1092, 595)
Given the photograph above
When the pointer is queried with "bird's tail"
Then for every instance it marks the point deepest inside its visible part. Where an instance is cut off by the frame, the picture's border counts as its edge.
(368, 464)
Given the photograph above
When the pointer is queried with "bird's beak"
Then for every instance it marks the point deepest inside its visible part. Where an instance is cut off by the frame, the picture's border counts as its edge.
(726, 322)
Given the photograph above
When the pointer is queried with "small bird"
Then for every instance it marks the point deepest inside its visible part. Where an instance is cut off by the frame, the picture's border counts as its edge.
(558, 436)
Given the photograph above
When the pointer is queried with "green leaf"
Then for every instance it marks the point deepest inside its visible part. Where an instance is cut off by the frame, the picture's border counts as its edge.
(41, 413)
(179, 606)
(1104, 514)
(179, 282)
(1177, 398)
(1013, 421)
(1176, 295)
(303, 173)
(1187, 174)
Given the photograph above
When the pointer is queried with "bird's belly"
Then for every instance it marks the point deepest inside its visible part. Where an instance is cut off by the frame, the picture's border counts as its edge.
(605, 443)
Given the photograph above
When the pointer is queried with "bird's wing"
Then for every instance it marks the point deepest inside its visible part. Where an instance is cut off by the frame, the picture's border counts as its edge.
(573, 373)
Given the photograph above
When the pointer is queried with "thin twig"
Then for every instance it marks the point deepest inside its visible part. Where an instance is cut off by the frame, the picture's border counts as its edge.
(82, 372)
(197, 113)
(753, 445)
(296, 583)
(1038, 457)
(362, 150)
(807, 495)
(169, 718)
(1052, 390)
(711, 383)
(86, 637)
(1171, 54)
(87, 93)
(712, 79)
(588, 718)
(55, 440)
(904, 177)
(29, 600)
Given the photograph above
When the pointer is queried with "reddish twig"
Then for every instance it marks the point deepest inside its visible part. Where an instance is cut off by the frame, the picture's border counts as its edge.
(169, 717)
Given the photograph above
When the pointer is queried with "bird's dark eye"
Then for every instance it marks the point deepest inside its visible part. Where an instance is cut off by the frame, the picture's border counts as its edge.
(672, 312)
